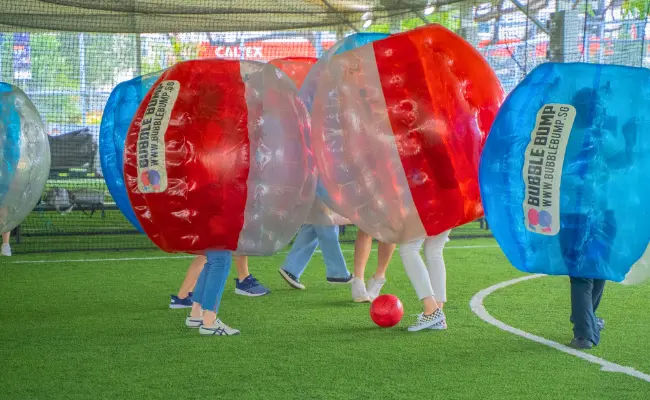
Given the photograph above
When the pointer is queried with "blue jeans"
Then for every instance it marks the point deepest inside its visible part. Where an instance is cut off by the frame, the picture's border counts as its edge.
(209, 287)
(585, 298)
(310, 236)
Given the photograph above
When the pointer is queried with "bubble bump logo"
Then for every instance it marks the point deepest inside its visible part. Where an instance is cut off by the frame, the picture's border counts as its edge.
(542, 218)
(150, 180)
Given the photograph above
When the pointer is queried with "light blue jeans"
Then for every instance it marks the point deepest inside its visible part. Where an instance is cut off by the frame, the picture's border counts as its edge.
(209, 287)
(310, 236)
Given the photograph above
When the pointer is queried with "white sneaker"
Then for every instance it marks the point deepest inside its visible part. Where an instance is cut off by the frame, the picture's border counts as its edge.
(5, 250)
(193, 322)
(359, 294)
(373, 287)
(218, 329)
(428, 321)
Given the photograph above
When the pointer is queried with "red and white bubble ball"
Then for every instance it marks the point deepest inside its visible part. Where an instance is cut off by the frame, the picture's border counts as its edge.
(216, 159)
(398, 126)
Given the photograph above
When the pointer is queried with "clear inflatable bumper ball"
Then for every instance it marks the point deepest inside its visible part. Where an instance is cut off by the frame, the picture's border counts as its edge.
(24, 156)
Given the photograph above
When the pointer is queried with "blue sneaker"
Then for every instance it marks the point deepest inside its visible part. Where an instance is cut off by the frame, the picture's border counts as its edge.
(250, 287)
(177, 302)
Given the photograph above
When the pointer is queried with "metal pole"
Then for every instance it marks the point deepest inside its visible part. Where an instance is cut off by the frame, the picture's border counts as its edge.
(318, 43)
(1, 44)
(601, 30)
(82, 78)
(527, 14)
(138, 55)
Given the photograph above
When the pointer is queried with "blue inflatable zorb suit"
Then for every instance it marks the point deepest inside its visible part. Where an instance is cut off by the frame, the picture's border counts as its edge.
(118, 113)
(564, 171)
(320, 213)
(24, 156)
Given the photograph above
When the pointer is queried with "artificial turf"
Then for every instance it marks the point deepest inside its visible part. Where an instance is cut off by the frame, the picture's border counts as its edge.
(101, 329)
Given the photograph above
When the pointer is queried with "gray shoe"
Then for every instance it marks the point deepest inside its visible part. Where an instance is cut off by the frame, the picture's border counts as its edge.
(373, 287)
(581, 343)
(358, 289)
(600, 323)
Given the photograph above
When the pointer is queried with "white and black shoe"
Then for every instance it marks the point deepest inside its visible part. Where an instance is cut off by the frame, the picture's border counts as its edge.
(218, 329)
(428, 321)
(291, 279)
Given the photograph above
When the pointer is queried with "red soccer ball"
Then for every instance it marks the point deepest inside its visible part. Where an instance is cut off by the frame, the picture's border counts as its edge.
(386, 310)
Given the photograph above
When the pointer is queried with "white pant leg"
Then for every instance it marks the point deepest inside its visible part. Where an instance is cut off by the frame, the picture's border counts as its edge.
(433, 246)
(415, 268)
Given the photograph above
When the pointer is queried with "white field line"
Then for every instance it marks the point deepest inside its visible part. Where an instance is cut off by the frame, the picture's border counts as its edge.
(476, 304)
(87, 260)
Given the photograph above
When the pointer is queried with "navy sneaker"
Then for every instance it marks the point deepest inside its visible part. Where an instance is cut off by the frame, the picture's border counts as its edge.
(250, 287)
(340, 281)
(177, 302)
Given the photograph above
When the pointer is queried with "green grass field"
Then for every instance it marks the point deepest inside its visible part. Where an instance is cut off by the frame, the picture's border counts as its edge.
(101, 329)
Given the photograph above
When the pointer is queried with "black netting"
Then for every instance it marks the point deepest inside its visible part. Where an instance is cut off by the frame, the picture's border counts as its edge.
(68, 55)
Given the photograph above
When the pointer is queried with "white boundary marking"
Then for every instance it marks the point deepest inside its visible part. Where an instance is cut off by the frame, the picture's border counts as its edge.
(476, 304)
(86, 260)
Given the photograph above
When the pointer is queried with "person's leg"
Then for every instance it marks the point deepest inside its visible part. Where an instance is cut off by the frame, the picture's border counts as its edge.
(199, 289)
(191, 276)
(378, 279)
(241, 263)
(214, 275)
(432, 316)
(596, 295)
(582, 310)
(384, 254)
(416, 270)
(433, 246)
(597, 292)
(6, 248)
(303, 248)
(362, 246)
(328, 240)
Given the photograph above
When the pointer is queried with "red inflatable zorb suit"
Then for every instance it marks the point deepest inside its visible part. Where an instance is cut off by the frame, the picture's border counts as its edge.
(215, 158)
(296, 68)
(397, 131)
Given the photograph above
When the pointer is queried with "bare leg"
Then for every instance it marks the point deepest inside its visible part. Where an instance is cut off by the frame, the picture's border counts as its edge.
(385, 253)
(191, 276)
(5, 237)
(241, 262)
(362, 246)
(209, 317)
(196, 310)
(429, 305)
